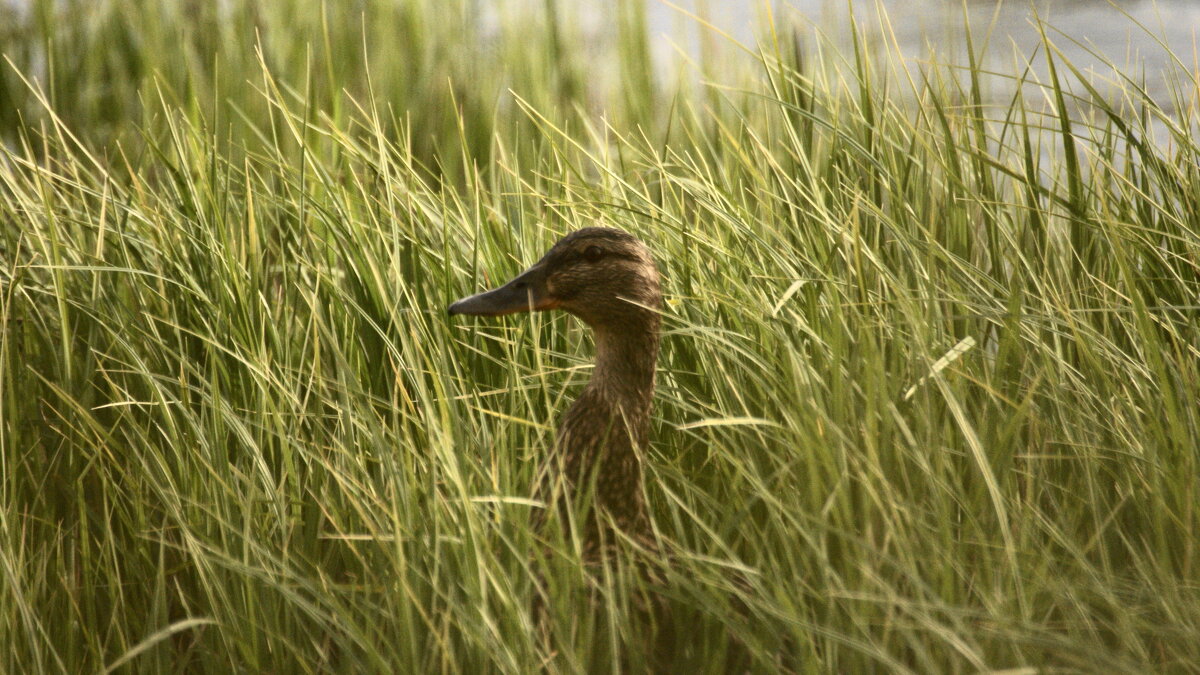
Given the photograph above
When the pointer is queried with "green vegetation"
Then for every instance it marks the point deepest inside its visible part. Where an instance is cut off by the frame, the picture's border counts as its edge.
(928, 394)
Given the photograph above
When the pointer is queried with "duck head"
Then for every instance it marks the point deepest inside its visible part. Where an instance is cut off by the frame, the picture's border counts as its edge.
(601, 275)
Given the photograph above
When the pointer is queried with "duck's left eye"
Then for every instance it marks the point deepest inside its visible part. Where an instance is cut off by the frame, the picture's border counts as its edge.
(593, 253)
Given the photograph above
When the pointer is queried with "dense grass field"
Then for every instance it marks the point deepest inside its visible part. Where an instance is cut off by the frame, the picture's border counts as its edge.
(927, 398)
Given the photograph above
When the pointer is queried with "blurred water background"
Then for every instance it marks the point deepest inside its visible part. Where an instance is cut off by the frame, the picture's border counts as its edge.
(1143, 38)
(624, 58)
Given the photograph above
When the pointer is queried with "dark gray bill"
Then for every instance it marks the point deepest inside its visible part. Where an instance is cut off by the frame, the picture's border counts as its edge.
(526, 293)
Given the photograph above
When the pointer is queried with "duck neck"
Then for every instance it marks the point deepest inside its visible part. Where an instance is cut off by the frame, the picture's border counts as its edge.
(625, 364)
(611, 419)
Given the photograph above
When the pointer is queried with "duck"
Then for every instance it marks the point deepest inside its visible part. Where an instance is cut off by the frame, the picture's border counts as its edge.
(608, 279)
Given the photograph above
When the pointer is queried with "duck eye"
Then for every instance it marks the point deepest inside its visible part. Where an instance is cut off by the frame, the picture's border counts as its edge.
(593, 253)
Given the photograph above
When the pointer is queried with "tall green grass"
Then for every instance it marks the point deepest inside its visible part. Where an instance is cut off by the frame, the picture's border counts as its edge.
(928, 392)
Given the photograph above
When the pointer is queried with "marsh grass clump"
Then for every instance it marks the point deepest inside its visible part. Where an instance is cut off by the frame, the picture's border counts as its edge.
(926, 398)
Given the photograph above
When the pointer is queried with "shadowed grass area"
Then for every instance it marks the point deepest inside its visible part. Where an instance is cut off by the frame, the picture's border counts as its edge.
(927, 399)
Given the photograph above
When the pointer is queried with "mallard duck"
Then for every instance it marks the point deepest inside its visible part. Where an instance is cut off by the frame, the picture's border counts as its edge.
(608, 279)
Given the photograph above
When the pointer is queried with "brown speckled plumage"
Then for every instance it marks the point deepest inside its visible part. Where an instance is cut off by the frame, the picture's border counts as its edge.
(608, 279)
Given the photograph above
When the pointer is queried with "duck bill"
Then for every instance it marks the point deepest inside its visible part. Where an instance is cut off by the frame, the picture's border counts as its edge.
(525, 293)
